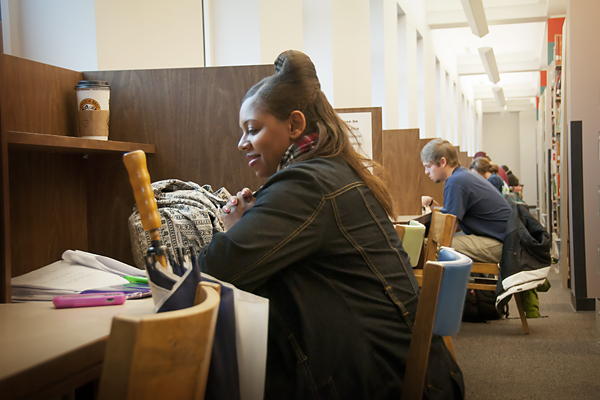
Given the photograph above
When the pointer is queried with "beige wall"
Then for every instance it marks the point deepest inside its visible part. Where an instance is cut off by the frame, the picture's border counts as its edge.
(583, 104)
(509, 139)
(501, 139)
(143, 34)
(88, 35)
(279, 34)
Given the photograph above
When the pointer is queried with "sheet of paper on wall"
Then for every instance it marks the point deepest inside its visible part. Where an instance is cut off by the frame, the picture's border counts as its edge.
(361, 123)
(76, 272)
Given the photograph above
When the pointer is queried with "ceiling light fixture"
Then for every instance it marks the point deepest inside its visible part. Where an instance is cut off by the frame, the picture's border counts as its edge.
(476, 17)
(489, 63)
(499, 95)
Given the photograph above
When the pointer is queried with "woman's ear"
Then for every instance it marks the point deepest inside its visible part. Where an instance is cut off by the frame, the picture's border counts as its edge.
(297, 123)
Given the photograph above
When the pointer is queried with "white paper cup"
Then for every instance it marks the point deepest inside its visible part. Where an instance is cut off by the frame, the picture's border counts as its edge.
(93, 99)
(93, 95)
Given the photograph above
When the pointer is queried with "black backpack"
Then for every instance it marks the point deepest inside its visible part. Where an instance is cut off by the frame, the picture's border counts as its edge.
(480, 306)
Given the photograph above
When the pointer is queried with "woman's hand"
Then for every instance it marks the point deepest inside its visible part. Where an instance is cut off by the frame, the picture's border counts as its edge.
(235, 207)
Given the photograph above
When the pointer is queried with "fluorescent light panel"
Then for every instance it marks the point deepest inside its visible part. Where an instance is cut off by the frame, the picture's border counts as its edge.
(499, 95)
(476, 17)
(489, 63)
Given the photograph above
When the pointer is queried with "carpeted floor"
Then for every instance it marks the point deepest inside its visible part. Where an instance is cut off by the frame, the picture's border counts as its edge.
(559, 359)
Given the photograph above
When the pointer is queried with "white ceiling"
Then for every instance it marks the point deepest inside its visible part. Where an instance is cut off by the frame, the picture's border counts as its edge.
(517, 34)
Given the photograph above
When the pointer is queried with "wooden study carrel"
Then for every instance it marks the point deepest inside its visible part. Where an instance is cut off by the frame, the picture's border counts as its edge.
(61, 192)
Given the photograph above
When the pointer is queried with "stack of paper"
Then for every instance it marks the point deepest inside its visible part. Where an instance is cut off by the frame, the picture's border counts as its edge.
(76, 272)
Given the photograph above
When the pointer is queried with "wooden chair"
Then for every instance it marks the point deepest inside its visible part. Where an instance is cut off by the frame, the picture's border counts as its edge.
(162, 356)
(491, 283)
(439, 312)
(441, 233)
(412, 236)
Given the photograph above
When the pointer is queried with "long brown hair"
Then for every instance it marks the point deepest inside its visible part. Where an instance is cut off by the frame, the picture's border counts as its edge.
(295, 86)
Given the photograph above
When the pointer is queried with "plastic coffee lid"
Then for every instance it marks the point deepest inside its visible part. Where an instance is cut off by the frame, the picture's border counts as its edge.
(92, 85)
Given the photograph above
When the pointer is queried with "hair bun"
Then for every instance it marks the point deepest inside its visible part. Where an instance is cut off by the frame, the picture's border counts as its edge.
(290, 60)
(281, 61)
(294, 65)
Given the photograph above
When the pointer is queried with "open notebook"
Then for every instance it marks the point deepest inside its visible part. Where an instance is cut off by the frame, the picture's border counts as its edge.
(78, 271)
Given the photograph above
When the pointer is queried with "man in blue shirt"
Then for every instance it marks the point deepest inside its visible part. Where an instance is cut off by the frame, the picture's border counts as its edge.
(481, 210)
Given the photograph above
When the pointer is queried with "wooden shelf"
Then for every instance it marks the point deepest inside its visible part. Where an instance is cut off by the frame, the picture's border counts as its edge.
(68, 144)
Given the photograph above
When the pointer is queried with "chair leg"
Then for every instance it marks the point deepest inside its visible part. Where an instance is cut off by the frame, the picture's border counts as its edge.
(521, 313)
(449, 345)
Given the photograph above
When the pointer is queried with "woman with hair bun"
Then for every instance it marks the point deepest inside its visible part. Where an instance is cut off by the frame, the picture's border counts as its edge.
(489, 171)
(316, 240)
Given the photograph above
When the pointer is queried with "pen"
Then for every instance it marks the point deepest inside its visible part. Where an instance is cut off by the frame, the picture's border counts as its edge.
(136, 285)
(136, 279)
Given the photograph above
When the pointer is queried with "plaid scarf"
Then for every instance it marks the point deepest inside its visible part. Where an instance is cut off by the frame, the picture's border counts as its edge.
(301, 146)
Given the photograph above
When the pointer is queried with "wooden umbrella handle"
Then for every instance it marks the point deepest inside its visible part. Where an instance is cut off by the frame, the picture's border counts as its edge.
(135, 162)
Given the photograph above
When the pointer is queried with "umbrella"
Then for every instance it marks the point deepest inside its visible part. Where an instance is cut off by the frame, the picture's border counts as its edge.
(174, 278)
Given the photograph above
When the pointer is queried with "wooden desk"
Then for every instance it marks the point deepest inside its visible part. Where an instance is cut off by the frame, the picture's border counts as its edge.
(405, 219)
(46, 352)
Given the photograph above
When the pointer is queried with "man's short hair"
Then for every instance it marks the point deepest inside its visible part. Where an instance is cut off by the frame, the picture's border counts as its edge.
(438, 148)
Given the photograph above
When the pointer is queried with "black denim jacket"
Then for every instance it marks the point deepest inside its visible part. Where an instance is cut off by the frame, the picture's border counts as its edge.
(342, 292)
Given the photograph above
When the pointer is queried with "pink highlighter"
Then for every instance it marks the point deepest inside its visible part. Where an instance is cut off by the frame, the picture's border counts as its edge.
(89, 300)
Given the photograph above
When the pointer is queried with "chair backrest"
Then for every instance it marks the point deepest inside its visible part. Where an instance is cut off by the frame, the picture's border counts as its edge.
(439, 312)
(441, 233)
(161, 356)
(412, 236)
(451, 297)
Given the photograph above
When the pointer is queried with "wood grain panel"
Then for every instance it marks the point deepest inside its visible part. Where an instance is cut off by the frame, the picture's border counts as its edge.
(403, 165)
(48, 208)
(376, 127)
(110, 195)
(464, 159)
(191, 116)
(426, 185)
(38, 98)
(42, 97)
